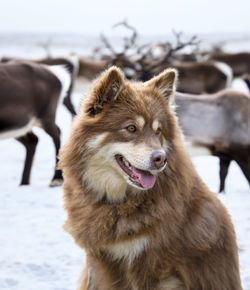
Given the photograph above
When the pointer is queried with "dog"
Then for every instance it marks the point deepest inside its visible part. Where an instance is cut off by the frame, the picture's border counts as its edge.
(135, 203)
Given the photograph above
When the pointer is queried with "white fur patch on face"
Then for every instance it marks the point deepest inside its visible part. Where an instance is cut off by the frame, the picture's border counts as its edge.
(105, 176)
(155, 125)
(101, 177)
(140, 121)
(138, 155)
(96, 141)
(128, 250)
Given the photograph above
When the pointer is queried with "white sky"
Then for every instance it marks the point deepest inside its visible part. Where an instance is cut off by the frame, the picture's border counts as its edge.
(148, 16)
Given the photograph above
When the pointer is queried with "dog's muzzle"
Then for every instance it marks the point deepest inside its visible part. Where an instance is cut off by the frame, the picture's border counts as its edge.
(140, 177)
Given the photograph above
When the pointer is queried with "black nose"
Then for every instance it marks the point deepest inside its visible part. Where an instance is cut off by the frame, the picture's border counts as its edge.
(158, 159)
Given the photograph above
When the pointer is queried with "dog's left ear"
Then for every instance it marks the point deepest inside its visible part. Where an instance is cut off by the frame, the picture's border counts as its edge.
(165, 82)
(105, 90)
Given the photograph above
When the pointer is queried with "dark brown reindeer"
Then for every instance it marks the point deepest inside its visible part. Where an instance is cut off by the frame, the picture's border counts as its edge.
(200, 77)
(239, 62)
(221, 123)
(29, 96)
(194, 77)
(71, 63)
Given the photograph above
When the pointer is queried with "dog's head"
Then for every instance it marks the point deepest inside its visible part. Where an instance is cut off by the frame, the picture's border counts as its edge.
(127, 132)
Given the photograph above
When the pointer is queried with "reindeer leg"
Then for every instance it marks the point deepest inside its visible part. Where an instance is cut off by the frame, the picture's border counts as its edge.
(245, 167)
(29, 141)
(68, 104)
(54, 131)
(224, 165)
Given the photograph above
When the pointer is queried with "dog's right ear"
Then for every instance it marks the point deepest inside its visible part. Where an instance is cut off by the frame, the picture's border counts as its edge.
(105, 90)
(165, 82)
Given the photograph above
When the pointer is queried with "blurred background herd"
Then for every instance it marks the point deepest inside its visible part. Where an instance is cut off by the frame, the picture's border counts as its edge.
(213, 61)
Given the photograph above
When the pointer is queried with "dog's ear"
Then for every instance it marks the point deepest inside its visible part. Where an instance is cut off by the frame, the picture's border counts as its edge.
(105, 90)
(165, 82)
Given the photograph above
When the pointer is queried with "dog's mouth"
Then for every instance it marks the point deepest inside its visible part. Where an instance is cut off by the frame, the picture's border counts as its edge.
(141, 178)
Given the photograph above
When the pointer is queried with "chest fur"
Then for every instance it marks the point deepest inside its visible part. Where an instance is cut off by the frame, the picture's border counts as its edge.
(128, 250)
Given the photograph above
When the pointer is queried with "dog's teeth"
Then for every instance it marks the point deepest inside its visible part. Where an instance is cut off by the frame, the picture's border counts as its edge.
(126, 163)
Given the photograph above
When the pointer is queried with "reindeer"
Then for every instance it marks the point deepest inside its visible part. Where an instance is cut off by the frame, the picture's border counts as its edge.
(246, 78)
(29, 96)
(142, 62)
(71, 63)
(239, 62)
(194, 77)
(220, 123)
(199, 77)
(91, 68)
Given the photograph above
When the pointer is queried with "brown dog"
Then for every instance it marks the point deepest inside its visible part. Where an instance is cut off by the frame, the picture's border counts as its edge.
(134, 200)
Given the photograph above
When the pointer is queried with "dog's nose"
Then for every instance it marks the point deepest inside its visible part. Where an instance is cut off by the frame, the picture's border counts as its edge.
(158, 159)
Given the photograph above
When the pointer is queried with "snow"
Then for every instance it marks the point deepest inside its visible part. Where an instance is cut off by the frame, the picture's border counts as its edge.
(37, 254)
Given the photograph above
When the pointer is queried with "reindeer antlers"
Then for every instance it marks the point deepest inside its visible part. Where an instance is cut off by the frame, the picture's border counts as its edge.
(140, 61)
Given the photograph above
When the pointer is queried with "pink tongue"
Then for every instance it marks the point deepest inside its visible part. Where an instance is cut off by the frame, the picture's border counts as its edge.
(147, 180)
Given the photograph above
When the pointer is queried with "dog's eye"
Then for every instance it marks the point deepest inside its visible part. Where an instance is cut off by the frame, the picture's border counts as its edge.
(131, 128)
(158, 131)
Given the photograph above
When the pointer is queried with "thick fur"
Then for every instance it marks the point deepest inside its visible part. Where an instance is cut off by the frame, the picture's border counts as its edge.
(176, 235)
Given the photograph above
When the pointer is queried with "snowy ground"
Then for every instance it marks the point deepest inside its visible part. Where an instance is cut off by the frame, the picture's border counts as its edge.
(35, 252)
